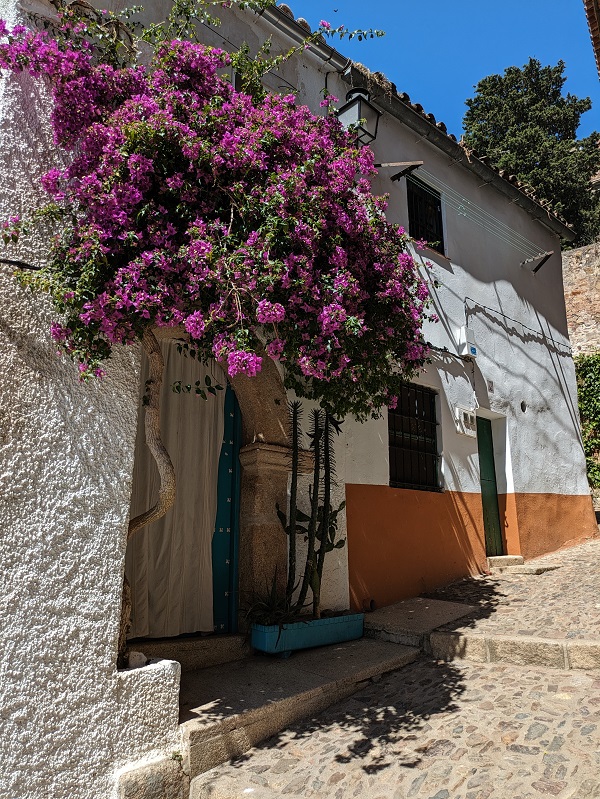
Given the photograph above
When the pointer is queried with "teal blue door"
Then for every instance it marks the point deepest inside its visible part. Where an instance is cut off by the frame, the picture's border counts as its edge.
(489, 489)
(226, 535)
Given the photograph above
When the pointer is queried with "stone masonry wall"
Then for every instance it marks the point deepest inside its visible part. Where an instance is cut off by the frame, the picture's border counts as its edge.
(581, 277)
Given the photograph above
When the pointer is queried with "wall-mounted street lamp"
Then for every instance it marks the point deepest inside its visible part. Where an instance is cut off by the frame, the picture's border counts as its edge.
(359, 112)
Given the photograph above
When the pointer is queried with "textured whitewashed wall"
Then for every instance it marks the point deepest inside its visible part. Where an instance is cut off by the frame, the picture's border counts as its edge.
(66, 451)
(520, 326)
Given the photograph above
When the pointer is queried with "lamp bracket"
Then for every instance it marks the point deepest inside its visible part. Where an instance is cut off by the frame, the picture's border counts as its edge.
(536, 263)
(408, 167)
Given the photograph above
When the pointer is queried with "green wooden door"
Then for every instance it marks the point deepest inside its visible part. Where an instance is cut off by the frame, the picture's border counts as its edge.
(489, 489)
(226, 535)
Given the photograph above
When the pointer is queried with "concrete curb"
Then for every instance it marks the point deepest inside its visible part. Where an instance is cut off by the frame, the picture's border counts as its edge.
(517, 650)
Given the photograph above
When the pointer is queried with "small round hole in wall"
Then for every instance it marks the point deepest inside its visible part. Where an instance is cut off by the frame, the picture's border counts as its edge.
(523, 406)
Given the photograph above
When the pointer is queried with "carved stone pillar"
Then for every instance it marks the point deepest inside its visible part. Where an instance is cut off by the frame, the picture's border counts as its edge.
(263, 543)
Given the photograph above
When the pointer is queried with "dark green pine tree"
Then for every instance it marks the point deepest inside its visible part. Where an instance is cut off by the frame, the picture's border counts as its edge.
(525, 124)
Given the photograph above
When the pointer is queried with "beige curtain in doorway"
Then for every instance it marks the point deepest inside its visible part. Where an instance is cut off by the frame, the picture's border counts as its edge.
(169, 563)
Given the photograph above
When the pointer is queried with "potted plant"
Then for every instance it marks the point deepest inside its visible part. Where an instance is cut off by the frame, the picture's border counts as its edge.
(280, 624)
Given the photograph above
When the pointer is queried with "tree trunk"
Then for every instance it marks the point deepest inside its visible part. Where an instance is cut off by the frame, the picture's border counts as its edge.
(167, 490)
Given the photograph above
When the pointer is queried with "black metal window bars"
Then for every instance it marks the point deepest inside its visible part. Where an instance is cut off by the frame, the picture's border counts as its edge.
(425, 213)
(412, 436)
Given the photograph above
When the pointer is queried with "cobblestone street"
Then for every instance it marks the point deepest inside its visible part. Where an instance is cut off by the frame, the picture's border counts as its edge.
(439, 731)
(559, 604)
(457, 730)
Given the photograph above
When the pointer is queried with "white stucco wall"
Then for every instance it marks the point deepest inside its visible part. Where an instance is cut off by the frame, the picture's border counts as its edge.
(69, 719)
(520, 327)
(66, 450)
(519, 323)
(518, 317)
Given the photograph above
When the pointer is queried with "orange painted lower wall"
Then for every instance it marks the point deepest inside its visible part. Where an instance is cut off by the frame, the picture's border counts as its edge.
(402, 543)
(542, 523)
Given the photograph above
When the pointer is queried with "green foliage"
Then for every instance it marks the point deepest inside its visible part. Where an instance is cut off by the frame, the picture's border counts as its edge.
(116, 36)
(588, 392)
(271, 607)
(525, 124)
(179, 387)
(119, 36)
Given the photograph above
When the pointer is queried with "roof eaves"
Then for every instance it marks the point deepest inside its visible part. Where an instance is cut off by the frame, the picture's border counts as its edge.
(386, 96)
(592, 10)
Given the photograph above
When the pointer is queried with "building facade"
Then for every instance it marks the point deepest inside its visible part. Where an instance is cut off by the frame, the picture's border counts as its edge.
(483, 454)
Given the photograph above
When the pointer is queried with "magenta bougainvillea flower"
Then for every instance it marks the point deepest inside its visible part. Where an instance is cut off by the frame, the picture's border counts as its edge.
(239, 220)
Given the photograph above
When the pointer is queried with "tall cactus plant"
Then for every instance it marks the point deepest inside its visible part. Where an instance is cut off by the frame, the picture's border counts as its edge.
(319, 527)
(295, 410)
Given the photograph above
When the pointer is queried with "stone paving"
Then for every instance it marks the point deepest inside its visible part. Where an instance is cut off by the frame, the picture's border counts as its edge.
(435, 731)
(561, 604)
(455, 730)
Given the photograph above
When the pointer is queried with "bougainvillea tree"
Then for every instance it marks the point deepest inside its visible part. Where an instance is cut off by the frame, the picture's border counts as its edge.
(245, 224)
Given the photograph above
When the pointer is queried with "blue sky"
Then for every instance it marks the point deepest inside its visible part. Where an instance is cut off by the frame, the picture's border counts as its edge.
(436, 51)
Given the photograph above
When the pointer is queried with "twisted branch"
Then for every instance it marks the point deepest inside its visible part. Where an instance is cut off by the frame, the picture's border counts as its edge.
(166, 492)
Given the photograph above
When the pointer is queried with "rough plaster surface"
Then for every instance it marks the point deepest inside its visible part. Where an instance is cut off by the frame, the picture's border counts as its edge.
(66, 450)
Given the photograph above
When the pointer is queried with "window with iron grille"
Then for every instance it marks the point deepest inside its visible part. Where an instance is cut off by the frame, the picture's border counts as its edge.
(425, 213)
(412, 431)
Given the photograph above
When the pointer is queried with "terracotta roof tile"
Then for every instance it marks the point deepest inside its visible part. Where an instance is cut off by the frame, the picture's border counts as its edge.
(592, 9)
(389, 88)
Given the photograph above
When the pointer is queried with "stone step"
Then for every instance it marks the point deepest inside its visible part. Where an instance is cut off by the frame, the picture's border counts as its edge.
(227, 712)
(527, 569)
(411, 621)
(517, 650)
(505, 560)
(197, 652)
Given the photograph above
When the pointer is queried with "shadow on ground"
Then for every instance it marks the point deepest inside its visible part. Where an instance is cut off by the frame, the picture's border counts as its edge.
(483, 593)
(380, 721)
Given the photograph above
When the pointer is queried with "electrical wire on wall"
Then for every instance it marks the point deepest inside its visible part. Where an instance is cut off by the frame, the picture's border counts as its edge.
(536, 332)
(478, 215)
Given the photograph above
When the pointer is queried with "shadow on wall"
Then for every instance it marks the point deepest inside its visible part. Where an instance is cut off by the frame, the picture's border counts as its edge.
(403, 542)
(529, 358)
(538, 365)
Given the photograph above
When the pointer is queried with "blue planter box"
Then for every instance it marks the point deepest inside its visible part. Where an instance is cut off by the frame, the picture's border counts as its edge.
(306, 634)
